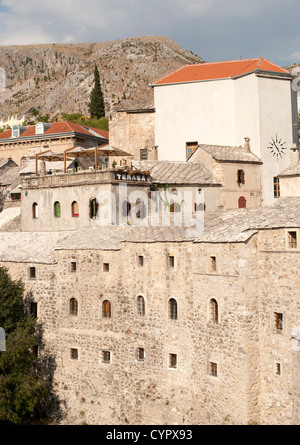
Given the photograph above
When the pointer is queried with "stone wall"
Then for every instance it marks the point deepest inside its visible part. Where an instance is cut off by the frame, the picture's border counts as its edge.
(251, 281)
(133, 132)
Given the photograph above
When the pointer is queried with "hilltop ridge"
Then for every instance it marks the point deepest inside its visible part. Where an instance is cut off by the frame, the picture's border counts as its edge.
(58, 78)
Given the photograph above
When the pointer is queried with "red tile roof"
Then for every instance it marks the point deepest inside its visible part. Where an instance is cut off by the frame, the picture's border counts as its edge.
(219, 70)
(57, 128)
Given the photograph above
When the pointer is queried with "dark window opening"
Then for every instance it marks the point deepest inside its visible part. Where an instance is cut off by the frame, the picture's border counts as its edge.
(74, 354)
(93, 208)
(105, 356)
(240, 177)
(213, 264)
(106, 309)
(171, 261)
(214, 311)
(172, 360)
(141, 260)
(141, 354)
(73, 266)
(173, 309)
(32, 272)
(73, 307)
(105, 267)
(33, 309)
(292, 237)
(278, 321)
(140, 305)
(213, 369)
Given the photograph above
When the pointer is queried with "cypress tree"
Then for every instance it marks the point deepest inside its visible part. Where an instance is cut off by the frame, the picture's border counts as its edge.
(96, 105)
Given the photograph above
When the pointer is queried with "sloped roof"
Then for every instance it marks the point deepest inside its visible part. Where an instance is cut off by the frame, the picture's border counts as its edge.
(292, 170)
(240, 224)
(57, 128)
(220, 70)
(171, 172)
(229, 153)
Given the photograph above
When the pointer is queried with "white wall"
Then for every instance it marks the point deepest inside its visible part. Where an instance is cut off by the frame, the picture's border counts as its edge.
(224, 112)
(191, 112)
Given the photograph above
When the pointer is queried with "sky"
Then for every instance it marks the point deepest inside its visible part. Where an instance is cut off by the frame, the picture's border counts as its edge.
(215, 30)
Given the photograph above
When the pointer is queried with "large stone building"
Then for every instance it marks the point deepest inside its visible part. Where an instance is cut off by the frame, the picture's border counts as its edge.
(154, 320)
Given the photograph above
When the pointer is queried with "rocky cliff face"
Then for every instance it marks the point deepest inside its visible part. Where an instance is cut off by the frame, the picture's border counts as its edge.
(56, 78)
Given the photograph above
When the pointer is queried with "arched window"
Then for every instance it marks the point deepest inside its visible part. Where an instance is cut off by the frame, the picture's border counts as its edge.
(73, 306)
(214, 311)
(242, 202)
(75, 209)
(106, 309)
(140, 209)
(126, 208)
(93, 208)
(57, 211)
(140, 305)
(173, 309)
(35, 208)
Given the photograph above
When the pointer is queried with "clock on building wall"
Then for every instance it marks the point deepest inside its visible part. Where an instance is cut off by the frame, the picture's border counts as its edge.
(277, 147)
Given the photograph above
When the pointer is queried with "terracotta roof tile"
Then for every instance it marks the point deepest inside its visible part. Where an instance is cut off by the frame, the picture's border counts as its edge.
(219, 70)
(60, 127)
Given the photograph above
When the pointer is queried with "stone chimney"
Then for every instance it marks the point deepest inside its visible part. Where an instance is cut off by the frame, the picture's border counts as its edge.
(247, 144)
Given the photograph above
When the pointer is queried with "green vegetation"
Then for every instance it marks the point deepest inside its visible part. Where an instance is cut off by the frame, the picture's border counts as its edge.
(25, 395)
(78, 118)
(96, 105)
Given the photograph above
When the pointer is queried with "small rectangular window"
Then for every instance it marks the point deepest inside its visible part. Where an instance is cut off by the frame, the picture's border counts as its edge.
(74, 354)
(105, 267)
(240, 177)
(292, 240)
(105, 356)
(278, 321)
(32, 272)
(171, 261)
(276, 187)
(73, 266)
(213, 369)
(173, 361)
(141, 260)
(213, 264)
(278, 369)
(144, 154)
(33, 309)
(141, 354)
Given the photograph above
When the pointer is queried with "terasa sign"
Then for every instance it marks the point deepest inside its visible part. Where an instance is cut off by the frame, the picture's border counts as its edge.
(127, 177)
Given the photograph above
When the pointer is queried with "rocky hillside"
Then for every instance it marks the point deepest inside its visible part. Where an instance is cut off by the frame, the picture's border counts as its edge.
(58, 78)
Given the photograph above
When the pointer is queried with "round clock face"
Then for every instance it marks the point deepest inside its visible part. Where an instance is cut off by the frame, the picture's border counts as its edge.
(277, 147)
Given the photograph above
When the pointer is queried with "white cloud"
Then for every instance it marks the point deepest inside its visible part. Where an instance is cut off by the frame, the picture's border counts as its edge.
(213, 29)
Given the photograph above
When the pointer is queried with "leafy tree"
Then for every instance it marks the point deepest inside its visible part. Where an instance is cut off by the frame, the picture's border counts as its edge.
(96, 105)
(24, 393)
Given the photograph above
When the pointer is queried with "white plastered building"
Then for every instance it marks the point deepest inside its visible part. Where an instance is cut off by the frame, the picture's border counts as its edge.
(222, 104)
